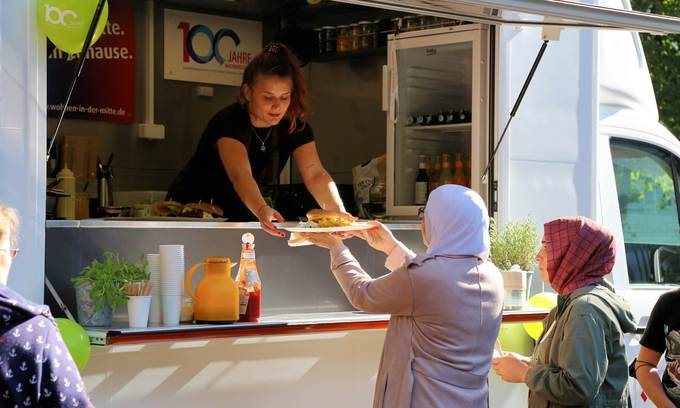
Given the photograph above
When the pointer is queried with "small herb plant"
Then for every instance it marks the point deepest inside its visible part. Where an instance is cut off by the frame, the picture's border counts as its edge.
(516, 244)
(108, 279)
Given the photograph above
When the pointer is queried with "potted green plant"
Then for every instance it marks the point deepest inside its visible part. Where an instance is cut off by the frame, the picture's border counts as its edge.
(100, 287)
(513, 251)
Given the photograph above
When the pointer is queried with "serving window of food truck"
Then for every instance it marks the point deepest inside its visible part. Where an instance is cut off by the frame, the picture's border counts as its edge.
(310, 339)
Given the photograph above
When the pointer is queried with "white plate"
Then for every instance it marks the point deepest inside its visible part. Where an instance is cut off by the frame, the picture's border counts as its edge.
(357, 226)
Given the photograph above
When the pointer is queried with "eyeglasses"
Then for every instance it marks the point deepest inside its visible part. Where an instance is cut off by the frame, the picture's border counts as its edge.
(421, 213)
(13, 252)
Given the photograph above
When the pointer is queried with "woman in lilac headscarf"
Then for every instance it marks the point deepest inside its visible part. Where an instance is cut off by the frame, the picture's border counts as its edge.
(445, 304)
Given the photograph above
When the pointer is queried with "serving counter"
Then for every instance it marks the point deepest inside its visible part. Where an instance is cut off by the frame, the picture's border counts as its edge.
(269, 325)
(311, 347)
(294, 280)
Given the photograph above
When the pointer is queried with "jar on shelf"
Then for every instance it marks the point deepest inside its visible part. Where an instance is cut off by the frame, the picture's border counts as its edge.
(320, 39)
(411, 23)
(378, 28)
(427, 22)
(343, 38)
(395, 25)
(367, 31)
(331, 37)
(354, 36)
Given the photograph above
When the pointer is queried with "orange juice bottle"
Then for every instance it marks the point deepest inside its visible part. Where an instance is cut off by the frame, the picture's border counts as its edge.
(434, 178)
(458, 172)
(446, 176)
(468, 172)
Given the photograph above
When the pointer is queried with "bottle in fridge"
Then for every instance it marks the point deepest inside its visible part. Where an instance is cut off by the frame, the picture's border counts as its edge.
(421, 182)
(434, 178)
(446, 176)
(458, 172)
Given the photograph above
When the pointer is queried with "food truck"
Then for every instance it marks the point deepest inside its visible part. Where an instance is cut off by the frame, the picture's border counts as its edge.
(584, 139)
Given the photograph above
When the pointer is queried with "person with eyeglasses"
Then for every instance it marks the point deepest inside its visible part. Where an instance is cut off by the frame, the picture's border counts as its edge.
(36, 368)
(245, 146)
(446, 303)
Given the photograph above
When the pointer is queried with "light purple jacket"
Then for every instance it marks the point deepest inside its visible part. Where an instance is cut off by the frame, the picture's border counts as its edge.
(446, 314)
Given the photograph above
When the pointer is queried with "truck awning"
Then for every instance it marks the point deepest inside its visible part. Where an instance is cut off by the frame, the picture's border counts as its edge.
(559, 13)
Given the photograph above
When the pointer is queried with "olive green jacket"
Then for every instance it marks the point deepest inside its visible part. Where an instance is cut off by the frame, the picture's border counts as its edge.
(580, 360)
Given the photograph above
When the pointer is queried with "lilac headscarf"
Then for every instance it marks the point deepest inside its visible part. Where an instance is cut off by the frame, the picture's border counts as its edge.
(457, 222)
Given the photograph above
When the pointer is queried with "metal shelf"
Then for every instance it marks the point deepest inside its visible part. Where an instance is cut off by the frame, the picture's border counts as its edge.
(361, 53)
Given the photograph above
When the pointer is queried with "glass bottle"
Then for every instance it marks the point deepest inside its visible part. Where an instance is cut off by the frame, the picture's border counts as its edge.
(343, 38)
(422, 182)
(468, 172)
(320, 34)
(331, 38)
(446, 175)
(441, 118)
(458, 172)
(354, 36)
(249, 285)
(434, 179)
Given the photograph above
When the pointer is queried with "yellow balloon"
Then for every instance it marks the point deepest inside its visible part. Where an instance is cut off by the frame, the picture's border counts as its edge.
(542, 300)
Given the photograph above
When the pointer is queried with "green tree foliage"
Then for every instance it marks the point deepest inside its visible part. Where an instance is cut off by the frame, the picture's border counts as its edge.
(663, 59)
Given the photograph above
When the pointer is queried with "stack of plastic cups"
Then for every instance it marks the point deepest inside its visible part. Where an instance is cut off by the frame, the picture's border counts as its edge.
(172, 282)
(153, 268)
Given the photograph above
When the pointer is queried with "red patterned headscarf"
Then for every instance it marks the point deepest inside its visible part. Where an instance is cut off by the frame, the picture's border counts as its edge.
(579, 251)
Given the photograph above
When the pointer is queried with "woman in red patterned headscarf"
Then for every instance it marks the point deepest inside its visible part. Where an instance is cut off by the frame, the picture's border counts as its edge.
(580, 357)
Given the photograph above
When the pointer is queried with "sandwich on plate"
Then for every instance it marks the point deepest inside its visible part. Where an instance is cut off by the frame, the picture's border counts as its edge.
(169, 208)
(325, 218)
(202, 210)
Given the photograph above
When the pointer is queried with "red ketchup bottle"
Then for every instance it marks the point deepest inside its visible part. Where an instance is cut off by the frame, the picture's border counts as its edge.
(249, 285)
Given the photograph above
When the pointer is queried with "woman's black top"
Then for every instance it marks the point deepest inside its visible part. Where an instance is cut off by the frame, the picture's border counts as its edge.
(204, 178)
(662, 335)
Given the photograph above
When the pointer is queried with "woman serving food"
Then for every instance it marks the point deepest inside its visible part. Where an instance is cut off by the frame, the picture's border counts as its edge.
(246, 145)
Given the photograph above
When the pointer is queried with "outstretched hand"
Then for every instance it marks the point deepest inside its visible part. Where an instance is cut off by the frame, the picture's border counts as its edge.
(265, 215)
(322, 239)
(378, 237)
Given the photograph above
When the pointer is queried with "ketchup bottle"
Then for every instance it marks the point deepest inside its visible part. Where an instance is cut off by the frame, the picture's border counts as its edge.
(249, 285)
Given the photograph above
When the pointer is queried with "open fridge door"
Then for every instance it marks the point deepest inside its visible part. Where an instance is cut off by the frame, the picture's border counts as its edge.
(437, 112)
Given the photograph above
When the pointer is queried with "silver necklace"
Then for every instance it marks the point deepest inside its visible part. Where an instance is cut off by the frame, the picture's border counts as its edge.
(263, 147)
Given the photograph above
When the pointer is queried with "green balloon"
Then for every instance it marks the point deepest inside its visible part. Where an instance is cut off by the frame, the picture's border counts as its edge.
(513, 338)
(65, 22)
(77, 341)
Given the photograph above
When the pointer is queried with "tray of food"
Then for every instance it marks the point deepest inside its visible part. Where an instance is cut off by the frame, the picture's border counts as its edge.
(168, 210)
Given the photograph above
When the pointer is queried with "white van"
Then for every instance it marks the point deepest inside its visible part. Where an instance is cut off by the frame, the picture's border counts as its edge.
(586, 139)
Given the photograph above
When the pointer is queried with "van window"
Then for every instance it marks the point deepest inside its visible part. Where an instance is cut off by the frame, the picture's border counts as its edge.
(646, 183)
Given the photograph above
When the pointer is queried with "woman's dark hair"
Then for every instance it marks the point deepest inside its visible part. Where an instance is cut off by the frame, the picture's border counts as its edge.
(277, 60)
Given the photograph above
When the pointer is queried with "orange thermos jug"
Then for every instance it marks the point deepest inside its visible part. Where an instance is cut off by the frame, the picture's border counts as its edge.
(216, 296)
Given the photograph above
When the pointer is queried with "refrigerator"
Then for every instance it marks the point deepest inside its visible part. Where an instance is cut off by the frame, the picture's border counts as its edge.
(434, 74)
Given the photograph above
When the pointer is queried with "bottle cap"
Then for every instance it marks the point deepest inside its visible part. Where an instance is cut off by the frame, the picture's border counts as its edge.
(247, 238)
(65, 173)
